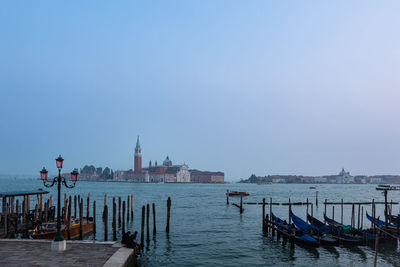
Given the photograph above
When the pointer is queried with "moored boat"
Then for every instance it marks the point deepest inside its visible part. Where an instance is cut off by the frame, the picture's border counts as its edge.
(49, 230)
(237, 193)
(323, 239)
(336, 231)
(299, 237)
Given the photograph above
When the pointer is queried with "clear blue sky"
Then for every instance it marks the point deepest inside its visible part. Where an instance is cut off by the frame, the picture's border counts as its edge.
(265, 87)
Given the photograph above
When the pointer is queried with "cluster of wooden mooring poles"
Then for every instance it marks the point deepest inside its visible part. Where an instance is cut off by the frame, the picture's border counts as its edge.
(127, 212)
(268, 225)
(18, 217)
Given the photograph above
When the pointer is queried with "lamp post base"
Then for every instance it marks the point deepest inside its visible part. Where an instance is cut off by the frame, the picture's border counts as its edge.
(58, 245)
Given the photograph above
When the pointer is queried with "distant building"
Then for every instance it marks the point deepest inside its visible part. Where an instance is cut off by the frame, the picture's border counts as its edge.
(344, 177)
(321, 180)
(206, 177)
(138, 157)
(375, 180)
(166, 173)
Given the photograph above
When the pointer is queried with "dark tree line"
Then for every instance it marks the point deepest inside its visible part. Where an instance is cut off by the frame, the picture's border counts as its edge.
(107, 173)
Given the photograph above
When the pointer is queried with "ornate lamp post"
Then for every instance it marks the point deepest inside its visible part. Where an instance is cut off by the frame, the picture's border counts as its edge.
(59, 242)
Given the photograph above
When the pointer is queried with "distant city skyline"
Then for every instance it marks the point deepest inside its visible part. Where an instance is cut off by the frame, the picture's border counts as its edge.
(294, 87)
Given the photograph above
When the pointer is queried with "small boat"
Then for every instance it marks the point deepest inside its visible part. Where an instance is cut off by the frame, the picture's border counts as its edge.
(299, 238)
(238, 193)
(49, 230)
(323, 239)
(336, 232)
(313, 187)
(378, 222)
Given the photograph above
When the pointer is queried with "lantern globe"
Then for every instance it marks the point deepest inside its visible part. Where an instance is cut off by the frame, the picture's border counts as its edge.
(59, 162)
(43, 174)
(74, 175)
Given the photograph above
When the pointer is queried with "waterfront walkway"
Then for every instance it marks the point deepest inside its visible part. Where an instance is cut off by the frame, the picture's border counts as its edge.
(20, 252)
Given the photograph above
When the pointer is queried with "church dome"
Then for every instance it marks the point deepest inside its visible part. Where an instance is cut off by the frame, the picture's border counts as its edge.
(167, 162)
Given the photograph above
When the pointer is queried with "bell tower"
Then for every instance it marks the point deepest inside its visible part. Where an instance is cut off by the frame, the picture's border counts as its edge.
(138, 157)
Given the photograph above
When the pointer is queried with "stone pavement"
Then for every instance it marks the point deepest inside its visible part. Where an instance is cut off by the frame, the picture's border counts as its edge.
(37, 253)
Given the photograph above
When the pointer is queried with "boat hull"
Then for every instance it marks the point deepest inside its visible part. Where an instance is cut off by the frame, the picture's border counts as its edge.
(87, 228)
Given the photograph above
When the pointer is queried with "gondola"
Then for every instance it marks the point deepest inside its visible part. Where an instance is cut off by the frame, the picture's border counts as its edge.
(306, 228)
(299, 238)
(378, 222)
(344, 239)
(347, 229)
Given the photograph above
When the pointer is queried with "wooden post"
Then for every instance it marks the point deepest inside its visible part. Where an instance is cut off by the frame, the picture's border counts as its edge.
(341, 214)
(45, 212)
(292, 237)
(51, 201)
(80, 219)
(227, 197)
(24, 205)
(168, 213)
(270, 216)
(5, 207)
(36, 212)
(79, 203)
(307, 209)
(316, 198)
(154, 220)
(352, 216)
(70, 206)
(375, 214)
(358, 223)
(69, 218)
(37, 205)
(127, 209)
(17, 207)
(372, 213)
(376, 247)
(74, 205)
(241, 203)
(12, 205)
(132, 208)
(333, 212)
(391, 206)
(87, 206)
(114, 220)
(362, 217)
(23, 210)
(28, 204)
(386, 209)
(142, 229)
(106, 221)
(325, 210)
(123, 217)
(263, 215)
(4, 201)
(148, 224)
(94, 217)
(119, 211)
(312, 213)
(290, 213)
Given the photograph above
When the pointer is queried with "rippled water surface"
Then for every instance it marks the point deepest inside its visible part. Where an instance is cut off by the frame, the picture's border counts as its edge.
(207, 232)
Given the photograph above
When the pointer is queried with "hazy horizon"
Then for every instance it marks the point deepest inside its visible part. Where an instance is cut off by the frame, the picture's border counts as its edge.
(263, 87)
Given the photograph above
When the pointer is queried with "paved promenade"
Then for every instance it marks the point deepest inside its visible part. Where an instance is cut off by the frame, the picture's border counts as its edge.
(78, 253)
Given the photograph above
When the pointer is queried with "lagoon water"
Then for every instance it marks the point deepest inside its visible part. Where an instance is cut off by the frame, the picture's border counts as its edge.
(205, 231)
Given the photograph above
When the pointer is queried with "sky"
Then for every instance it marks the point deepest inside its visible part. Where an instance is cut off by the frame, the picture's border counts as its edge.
(243, 87)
